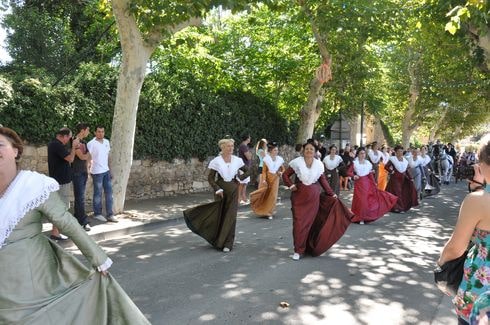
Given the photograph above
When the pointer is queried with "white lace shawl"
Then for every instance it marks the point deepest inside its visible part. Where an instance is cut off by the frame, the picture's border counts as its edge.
(362, 169)
(307, 175)
(227, 170)
(401, 166)
(414, 163)
(332, 163)
(273, 165)
(27, 191)
(425, 160)
(375, 156)
(386, 157)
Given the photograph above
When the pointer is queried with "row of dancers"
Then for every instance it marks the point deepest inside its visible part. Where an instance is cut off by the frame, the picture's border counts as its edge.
(320, 218)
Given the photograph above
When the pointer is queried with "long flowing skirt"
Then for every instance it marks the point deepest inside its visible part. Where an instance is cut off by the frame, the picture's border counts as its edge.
(42, 284)
(333, 179)
(382, 177)
(305, 203)
(402, 186)
(263, 201)
(330, 224)
(216, 221)
(369, 203)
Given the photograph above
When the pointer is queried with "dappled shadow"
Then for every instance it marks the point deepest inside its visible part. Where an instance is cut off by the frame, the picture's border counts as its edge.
(377, 273)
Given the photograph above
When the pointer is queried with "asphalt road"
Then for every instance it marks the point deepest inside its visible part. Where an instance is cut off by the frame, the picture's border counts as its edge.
(379, 273)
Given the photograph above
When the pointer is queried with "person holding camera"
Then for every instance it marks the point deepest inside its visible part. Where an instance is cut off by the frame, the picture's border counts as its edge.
(59, 160)
(473, 226)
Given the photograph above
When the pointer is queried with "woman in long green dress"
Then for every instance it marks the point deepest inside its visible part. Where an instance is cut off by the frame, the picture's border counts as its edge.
(40, 282)
(216, 221)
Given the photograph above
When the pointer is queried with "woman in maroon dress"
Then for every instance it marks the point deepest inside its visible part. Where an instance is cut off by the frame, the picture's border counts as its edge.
(369, 203)
(400, 183)
(319, 220)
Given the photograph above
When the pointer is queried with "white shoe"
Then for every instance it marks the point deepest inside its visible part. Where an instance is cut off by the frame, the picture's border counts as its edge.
(269, 217)
(100, 218)
(87, 227)
(226, 250)
(296, 257)
(361, 223)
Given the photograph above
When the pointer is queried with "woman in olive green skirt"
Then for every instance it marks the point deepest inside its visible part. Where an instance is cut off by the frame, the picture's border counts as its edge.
(40, 283)
(216, 221)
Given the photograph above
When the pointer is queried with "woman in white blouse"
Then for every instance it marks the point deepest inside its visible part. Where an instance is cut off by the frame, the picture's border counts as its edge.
(263, 201)
(368, 203)
(400, 183)
(332, 162)
(216, 221)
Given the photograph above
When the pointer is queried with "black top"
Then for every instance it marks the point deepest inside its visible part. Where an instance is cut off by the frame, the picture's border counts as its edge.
(78, 165)
(58, 167)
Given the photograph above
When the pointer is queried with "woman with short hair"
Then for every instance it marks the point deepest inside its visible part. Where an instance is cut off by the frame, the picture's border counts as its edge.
(216, 221)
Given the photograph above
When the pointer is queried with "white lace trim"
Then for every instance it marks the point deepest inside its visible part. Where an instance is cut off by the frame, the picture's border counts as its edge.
(332, 163)
(273, 165)
(104, 267)
(226, 170)
(362, 169)
(401, 166)
(307, 175)
(26, 192)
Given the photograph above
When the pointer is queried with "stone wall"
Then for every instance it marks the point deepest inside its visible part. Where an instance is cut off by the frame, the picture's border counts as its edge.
(149, 178)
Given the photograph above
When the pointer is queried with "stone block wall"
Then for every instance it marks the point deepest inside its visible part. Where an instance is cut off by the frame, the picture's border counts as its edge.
(150, 178)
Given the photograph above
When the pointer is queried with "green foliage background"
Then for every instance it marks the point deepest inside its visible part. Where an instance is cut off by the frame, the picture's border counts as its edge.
(178, 116)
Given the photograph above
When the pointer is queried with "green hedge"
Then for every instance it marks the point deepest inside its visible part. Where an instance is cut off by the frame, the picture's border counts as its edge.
(177, 117)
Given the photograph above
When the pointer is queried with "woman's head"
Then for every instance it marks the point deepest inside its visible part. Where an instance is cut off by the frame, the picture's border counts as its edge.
(309, 148)
(332, 149)
(262, 144)
(484, 157)
(226, 145)
(272, 147)
(361, 153)
(11, 145)
(398, 150)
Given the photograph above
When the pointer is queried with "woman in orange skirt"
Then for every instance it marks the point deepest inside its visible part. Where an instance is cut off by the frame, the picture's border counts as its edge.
(263, 201)
(382, 172)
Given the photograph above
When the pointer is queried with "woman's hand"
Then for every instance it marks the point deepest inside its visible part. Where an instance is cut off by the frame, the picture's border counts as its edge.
(104, 273)
(355, 177)
(293, 188)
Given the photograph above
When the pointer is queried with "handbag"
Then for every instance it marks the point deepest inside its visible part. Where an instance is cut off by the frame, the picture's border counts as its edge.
(449, 275)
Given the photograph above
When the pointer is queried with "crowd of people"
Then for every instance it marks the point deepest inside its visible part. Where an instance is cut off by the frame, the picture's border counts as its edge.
(382, 179)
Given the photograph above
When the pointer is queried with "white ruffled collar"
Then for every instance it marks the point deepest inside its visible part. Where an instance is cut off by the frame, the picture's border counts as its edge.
(400, 166)
(229, 170)
(272, 164)
(307, 175)
(26, 192)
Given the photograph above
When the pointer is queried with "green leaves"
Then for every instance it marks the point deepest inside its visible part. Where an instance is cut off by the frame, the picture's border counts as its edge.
(458, 14)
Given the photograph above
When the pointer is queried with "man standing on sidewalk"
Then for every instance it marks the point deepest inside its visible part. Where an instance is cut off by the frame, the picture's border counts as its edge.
(99, 148)
(59, 159)
(80, 175)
